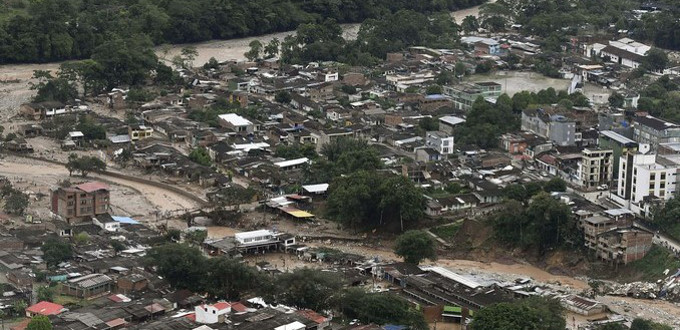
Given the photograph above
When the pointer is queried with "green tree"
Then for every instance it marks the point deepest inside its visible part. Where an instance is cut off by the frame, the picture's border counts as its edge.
(616, 100)
(460, 69)
(555, 184)
(414, 246)
(39, 322)
(117, 246)
(16, 202)
(125, 61)
(200, 156)
(516, 191)
(470, 24)
(283, 97)
(529, 313)
(656, 60)
(642, 324)
(81, 238)
(484, 67)
(272, 48)
(55, 251)
(189, 54)
(196, 237)
(45, 293)
(433, 89)
(379, 308)
(255, 50)
(307, 288)
(183, 266)
(228, 278)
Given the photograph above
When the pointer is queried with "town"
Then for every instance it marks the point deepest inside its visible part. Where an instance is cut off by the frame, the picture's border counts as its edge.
(424, 171)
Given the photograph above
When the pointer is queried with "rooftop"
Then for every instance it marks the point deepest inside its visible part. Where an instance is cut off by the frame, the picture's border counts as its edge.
(92, 186)
(235, 119)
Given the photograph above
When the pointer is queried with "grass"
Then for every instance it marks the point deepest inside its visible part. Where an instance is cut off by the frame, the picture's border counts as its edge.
(447, 232)
(652, 266)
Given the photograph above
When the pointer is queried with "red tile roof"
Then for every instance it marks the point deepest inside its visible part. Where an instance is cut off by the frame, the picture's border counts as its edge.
(191, 316)
(238, 307)
(312, 315)
(222, 306)
(45, 308)
(116, 322)
(92, 186)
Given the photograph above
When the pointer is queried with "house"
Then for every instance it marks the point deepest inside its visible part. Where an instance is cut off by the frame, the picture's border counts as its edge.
(433, 102)
(427, 154)
(39, 111)
(139, 132)
(30, 130)
(80, 201)
(132, 283)
(354, 79)
(88, 286)
(482, 46)
(18, 145)
(440, 141)
(44, 308)
(320, 91)
(626, 52)
(465, 95)
(555, 127)
(582, 306)
(447, 124)
(624, 245)
(292, 163)
(211, 314)
(237, 123)
(339, 114)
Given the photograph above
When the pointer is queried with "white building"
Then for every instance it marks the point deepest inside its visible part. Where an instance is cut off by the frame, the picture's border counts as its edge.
(211, 314)
(237, 123)
(254, 237)
(439, 141)
(645, 178)
(596, 167)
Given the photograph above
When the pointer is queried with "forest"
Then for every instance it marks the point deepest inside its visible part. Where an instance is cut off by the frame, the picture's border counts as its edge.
(57, 30)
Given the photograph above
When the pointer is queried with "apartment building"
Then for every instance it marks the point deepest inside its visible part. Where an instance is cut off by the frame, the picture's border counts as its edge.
(620, 144)
(439, 141)
(466, 94)
(654, 131)
(80, 202)
(596, 167)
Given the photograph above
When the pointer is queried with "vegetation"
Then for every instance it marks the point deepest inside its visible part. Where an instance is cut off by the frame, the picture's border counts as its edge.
(185, 267)
(200, 156)
(668, 217)
(196, 237)
(45, 31)
(16, 202)
(39, 322)
(447, 232)
(55, 251)
(296, 151)
(84, 165)
(654, 263)
(379, 308)
(530, 313)
(45, 293)
(642, 324)
(661, 99)
(307, 288)
(545, 224)
(414, 246)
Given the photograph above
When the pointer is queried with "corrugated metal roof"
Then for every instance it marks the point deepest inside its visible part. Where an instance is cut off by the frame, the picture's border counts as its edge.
(92, 186)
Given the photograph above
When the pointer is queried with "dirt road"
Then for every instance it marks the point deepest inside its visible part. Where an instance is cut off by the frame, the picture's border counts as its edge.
(161, 200)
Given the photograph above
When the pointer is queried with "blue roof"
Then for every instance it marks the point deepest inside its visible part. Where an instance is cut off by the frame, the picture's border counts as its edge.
(394, 327)
(126, 220)
(435, 97)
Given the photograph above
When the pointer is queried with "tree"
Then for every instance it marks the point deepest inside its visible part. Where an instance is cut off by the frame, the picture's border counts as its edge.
(656, 60)
(307, 288)
(530, 313)
(55, 251)
(183, 266)
(642, 324)
(555, 184)
(379, 308)
(189, 54)
(433, 89)
(39, 322)
(117, 246)
(272, 48)
(255, 50)
(283, 97)
(196, 237)
(45, 293)
(81, 238)
(460, 69)
(16, 202)
(228, 278)
(484, 67)
(125, 61)
(616, 100)
(200, 156)
(414, 246)
(470, 24)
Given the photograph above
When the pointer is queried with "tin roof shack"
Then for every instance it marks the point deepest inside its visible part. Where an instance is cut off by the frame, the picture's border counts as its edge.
(582, 306)
(624, 245)
(88, 286)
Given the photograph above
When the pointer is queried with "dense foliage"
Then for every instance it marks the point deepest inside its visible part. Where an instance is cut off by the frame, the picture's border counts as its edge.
(55, 251)
(39, 322)
(380, 308)
(56, 30)
(530, 313)
(545, 224)
(84, 164)
(414, 246)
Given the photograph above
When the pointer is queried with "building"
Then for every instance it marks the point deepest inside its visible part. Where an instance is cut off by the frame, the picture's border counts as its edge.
(39, 111)
(625, 51)
(582, 306)
(139, 132)
(44, 308)
(596, 167)
(645, 179)
(465, 95)
(448, 123)
(440, 141)
(237, 123)
(624, 245)
(557, 128)
(484, 46)
(211, 314)
(81, 201)
(434, 102)
(88, 286)
(618, 143)
(597, 224)
(653, 131)
(248, 242)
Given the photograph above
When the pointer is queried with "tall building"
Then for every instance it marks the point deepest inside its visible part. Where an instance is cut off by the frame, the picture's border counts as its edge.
(596, 167)
(645, 179)
(557, 128)
(79, 202)
(465, 95)
(620, 144)
(439, 141)
(654, 131)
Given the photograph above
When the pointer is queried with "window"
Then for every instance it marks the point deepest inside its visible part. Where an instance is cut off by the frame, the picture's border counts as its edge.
(663, 176)
(652, 176)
